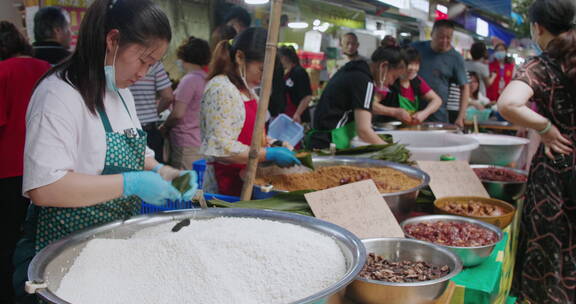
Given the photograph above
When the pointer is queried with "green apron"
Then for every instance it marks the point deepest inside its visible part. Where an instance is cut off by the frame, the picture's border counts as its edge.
(124, 152)
(410, 106)
(341, 137)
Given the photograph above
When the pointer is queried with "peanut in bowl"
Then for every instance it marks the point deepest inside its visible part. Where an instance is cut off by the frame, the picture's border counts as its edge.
(492, 211)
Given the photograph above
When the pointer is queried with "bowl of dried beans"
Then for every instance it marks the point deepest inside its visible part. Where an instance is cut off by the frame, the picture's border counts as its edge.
(496, 212)
(502, 183)
(470, 239)
(399, 270)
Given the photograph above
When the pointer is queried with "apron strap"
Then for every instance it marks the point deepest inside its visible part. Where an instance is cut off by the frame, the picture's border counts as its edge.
(104, 116)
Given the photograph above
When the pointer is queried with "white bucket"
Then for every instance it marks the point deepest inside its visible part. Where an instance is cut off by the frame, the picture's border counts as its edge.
(500, 150)
(430, 145)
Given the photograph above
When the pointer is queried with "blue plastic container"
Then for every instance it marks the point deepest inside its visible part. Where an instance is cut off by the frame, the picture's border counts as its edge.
(199, 167)
(285, 129)
(148, 208)
(481, 115)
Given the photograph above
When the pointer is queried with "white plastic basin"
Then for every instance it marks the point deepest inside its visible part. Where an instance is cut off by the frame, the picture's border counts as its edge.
(431, 145)
(500, 150)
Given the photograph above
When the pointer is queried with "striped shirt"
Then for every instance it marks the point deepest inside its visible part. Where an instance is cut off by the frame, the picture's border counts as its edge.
(144, 91)
(453, 103)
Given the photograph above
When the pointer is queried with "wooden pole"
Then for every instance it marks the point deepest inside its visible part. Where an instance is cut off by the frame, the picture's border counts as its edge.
(270, 58)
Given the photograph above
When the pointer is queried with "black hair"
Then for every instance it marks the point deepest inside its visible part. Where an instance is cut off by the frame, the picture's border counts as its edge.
(557, 16)
(252, 43)
(138, 21)
(46, 21)
(475, 93)
(443, 23)
(478, 50)
(411, 55)
(222, 32)
(290, 53)
(12, 42)
(391, 54)
(350, 34)
(194, 50)
(239, 13)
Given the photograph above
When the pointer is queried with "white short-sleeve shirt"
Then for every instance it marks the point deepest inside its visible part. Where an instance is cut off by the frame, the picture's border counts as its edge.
(63, 136)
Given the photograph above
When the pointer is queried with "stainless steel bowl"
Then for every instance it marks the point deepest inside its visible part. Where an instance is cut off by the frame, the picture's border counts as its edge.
(397, 249)
(401, 203)
(387, 126)
(52, 263)
(470, 256)
(506, 191)
(438, 127)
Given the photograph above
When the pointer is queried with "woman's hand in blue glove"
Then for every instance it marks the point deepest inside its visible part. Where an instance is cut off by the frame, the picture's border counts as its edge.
(150, 187)
(281, 157)
(188, 195)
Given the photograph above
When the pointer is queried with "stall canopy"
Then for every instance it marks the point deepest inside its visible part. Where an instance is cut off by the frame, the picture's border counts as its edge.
(333, 13)
(500, 7)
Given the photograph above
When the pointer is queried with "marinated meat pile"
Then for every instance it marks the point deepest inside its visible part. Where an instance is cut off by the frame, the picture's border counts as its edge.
(458, 234)
(378, 268)
(386, 179)
(473, 208)
(500, 175)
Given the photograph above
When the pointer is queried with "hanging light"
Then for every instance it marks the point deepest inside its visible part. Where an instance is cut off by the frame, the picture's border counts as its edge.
(256, 2)
(298, 25)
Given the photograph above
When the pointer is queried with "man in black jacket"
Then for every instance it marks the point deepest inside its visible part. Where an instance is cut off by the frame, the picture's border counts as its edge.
(52, 35)
(345, 107)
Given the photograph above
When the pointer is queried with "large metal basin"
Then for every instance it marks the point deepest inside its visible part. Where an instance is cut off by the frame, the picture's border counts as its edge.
(398, 249)
(470, 256)
(401, 203)
(52, 263)
(506, 191)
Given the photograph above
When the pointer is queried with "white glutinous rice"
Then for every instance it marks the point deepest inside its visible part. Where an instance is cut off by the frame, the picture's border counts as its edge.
(220, 260)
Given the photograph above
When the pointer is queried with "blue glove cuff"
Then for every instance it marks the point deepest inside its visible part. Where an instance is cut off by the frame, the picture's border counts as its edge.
(157, 167)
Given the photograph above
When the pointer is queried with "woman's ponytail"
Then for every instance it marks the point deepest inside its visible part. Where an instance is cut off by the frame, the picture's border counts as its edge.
(221, 61)
(252, 43)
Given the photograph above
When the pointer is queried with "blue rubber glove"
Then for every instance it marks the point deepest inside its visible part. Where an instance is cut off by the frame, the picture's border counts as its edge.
(188, 195)
(150, 187)
(281, 157)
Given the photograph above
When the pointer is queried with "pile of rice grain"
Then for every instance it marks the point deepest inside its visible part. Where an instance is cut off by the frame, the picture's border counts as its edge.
(221, 260)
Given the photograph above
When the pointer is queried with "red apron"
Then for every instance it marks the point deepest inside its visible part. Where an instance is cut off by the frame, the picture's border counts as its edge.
(290, 108)
(228, 175)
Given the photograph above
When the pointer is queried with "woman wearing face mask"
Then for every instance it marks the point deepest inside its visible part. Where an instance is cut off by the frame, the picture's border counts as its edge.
(85, 158)
(228, 112)
(546, 252)
(503, 67)
(345, 107)
(412, 100)
(184, 120)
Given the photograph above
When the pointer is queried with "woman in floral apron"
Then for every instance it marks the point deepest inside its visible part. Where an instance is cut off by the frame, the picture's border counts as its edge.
(86, 162)
(228, 112)
(546, 263)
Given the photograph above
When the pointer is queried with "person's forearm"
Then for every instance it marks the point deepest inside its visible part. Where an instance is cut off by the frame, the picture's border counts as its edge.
(241, 158)
(164, 103)
(369, 136)
(491, 80)
(380, 109)
(150, 163)
(78, 190)
(171, 121)
(303, 105)
(523, 116)
(464, 97)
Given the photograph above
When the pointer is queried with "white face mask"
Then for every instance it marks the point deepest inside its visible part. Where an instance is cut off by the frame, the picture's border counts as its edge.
(180, 65)
(536, 46)
(110, 73)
